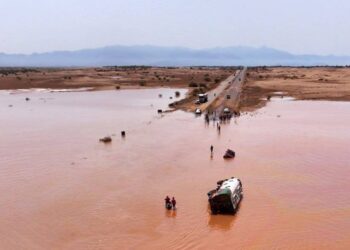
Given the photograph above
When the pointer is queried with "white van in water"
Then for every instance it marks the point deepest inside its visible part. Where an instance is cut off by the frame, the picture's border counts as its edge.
(226, 197)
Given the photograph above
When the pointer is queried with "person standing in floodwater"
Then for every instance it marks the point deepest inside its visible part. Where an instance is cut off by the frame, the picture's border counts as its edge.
(167, 201)
(173, 202)
(211, 149)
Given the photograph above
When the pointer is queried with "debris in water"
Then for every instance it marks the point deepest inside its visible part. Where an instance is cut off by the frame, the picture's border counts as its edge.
(229, 154)
(106, 139)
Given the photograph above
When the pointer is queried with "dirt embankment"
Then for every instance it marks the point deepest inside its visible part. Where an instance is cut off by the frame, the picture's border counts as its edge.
(318, 83)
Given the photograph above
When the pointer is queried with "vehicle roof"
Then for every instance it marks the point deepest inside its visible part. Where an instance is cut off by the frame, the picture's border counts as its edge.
(231, 184)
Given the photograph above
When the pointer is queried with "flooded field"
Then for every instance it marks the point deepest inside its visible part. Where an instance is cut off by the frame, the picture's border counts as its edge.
(63, 189)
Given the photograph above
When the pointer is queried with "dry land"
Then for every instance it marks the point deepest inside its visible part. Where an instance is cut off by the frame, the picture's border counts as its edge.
(317, 83)
(261, 83)
(113, 77)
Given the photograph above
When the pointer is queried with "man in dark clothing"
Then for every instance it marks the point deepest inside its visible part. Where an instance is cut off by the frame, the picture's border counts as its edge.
(173, 202)
(211, 149)
(167, 201)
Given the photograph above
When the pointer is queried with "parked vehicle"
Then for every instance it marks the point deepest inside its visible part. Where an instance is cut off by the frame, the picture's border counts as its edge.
(198, 111)
(203, 98)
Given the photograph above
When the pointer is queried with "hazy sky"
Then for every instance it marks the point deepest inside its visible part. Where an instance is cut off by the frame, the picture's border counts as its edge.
(297, 26)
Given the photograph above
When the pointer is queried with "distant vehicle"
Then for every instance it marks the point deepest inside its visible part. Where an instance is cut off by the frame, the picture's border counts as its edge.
(198, 111)
(197, 102)
(203, 98)
(228, 97)
(226, 110)
(226, 197)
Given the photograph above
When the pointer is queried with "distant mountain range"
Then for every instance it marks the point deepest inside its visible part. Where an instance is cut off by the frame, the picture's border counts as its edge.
(168, 56)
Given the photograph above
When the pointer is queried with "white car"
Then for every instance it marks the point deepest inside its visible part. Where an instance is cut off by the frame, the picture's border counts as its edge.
(198, 111)
(226, 110)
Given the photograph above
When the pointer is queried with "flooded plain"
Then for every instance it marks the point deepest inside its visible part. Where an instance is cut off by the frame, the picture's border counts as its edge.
(63, 189)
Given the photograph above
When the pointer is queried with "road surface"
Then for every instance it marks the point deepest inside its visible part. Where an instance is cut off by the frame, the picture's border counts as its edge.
(234, 91)
(217, 98)
(214, 94)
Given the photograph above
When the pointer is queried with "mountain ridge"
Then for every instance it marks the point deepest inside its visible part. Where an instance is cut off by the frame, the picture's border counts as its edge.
(150, 55)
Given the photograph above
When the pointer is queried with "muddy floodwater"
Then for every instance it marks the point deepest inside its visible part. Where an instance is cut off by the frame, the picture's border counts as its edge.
(60, 188)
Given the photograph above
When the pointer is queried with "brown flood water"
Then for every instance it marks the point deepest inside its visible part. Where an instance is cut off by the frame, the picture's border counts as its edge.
(62, 189)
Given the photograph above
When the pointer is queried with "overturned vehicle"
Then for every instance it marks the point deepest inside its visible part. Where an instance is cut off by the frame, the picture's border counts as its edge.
(226, 197)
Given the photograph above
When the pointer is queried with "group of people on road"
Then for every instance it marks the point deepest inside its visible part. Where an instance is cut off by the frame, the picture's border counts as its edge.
(225, 117)
(170, 204)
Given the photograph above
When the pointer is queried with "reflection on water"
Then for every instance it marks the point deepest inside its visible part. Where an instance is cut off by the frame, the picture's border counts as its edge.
(221, 222)
(170, 213)
(63, 189)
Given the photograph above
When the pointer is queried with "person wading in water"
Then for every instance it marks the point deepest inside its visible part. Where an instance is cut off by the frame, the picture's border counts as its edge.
(173, 202)
(167, 202)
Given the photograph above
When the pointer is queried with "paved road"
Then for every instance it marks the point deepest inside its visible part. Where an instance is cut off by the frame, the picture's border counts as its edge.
(214, 93)
(234, 91)
(232, 86)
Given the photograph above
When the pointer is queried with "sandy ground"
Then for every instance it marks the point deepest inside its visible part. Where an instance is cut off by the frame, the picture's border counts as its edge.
(261, 83)
(319, 83)
(112, 77)
(196, 79)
